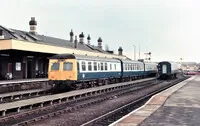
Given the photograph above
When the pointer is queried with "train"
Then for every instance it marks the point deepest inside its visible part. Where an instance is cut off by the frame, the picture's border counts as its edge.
(80, 71)
(167, 70)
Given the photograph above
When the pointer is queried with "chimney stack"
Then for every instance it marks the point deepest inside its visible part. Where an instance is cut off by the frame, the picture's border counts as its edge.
(71, 36)
(1, 34)
(81, 36)
(33, 25)
(75, 42)
(120, 51)
(99, 42)
(88, 38)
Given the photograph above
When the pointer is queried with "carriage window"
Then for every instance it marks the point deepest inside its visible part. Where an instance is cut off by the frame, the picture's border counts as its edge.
(55, 66)
(83, 66)
(101, 66)
(126, 68)
(115, 66)
(106, 67)
(67, 66)
(89, 66)
(129, 67)
(110, 66)
(95, 66)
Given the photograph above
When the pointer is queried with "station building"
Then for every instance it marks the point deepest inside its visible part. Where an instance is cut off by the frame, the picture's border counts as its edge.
(25, 54)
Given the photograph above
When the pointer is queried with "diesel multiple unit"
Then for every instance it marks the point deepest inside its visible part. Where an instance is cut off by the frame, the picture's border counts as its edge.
(79, 70)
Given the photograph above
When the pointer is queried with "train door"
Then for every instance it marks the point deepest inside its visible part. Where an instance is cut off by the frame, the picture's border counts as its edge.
(164, 68)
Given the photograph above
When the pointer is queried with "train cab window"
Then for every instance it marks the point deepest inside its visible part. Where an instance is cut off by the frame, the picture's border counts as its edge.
(101, 66)
(83, 66)
(55, 66)
(95, 66)
(67, 66)
(89, 66)
(106, 67)
(78, 66)
(110, 66)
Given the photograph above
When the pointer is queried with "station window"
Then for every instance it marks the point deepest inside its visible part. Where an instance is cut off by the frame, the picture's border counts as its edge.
(110, 66)
(89, 66)
(67, 66)
(95, 66)
(106, 67)
(115, 66)
(101, 66)
(83, 66)
(55, 66)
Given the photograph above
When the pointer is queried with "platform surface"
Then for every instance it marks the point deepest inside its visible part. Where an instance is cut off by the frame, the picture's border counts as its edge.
(181, 109)
(2, 82)
(176, 106)
(42, 99)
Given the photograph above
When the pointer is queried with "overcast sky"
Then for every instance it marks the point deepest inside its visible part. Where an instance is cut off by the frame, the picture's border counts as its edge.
(170, 29)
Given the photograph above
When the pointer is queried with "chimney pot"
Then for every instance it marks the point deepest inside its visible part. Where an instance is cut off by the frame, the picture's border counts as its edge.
(75, 42)
(99, 42)
(81, 36)
(120, 51)
(71, 36)
(88, 38)
(33, 25)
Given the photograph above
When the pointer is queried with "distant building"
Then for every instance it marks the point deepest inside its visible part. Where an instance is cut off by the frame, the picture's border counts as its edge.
(189, 66)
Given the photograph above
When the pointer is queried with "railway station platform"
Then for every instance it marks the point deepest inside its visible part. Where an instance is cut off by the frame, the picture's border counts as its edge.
(176, 106)
(4, 82)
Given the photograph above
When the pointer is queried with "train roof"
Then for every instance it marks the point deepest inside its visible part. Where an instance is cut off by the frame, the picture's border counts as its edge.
(168, 62)
(131, 61)
(83, 57)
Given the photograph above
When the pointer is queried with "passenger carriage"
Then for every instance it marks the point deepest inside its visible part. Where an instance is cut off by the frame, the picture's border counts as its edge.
(150, 69)
(132, 69)
(167, 69)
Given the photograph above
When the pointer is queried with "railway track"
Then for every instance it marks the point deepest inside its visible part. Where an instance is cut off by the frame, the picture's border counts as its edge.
(85, 111)
(116, 114)
(71, 105)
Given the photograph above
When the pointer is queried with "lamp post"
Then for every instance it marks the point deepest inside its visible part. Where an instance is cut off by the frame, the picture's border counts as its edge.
(134, 52)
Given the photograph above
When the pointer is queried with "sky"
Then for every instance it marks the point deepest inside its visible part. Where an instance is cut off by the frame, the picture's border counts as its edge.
(169, 29)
